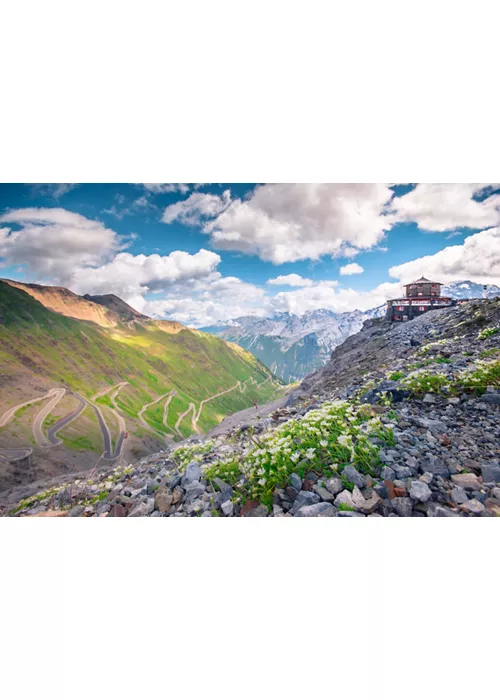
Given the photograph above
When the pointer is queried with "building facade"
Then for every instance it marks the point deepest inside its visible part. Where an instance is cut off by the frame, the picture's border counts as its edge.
(420, 296)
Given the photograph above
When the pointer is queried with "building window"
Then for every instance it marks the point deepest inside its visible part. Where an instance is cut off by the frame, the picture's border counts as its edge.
(397, 317)
(421, 308)
(420, 294)
(401, 308)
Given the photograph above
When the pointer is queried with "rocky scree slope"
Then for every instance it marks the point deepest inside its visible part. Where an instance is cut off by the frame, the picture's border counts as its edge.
(402, 422)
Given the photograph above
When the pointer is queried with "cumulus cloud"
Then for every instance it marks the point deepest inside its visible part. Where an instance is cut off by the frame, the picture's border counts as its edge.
(289, 222)
(477, 259)
(351, 269)
(51, 242)
(292, 280)
(196, 208)
(131, 276)
(211, 301)
(442, 207)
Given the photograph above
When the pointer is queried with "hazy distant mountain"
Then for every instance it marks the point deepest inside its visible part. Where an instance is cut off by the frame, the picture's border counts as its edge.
(470, 290)
(292, 346)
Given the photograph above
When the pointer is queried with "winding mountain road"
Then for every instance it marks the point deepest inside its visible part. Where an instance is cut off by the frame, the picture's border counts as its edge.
(55, 395)
(9, 415)
(168, 396)
(110, 454)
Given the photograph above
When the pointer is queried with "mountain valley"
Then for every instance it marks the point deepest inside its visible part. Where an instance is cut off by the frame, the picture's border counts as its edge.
(84, 379)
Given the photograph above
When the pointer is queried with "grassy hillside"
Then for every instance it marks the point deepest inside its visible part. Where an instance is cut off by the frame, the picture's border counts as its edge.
(41, 349)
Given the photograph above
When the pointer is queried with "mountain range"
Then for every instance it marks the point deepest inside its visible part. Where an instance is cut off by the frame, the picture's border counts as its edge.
(84, 379)
(293, 346)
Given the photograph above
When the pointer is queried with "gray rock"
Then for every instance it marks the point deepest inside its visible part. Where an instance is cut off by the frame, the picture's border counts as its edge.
(473, 506)
(305, 498)
(436, 510)
(259, 511)
(427, 477)
(403, 472)
(296, 481)
(458, 495)
(436, 467)
(141, 510)
(317, 510)
(323, 493)
(469, 482)
(419, 491)
(76, 512)
(490, 473)
(394, 390)
(351, 474)
(221, 485)
(192, 473)
(193, 491)
(227, 508)
(388, 474)
(429, 398)
(349, 514)
(344, 497)
(365, 505)
(403, 506)
(491, 398)
(195, 507)
(334, 485)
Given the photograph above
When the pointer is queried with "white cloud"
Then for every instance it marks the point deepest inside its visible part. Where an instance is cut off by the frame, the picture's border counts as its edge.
(196, 208)
(477, 259)
(289, 222)
(52, 242)
(323, 296)
(444, 207)
(162, 187)
(132, 276)
(53, 190)
(351, 269)
(292, 280)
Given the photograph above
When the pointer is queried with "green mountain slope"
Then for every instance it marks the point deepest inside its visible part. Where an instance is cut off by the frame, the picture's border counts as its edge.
(41, 350)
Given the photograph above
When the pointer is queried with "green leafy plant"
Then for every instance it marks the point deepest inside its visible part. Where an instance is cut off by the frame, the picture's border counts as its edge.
(345, 507)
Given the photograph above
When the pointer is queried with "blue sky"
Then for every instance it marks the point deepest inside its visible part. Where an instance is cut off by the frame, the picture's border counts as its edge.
(122, 238)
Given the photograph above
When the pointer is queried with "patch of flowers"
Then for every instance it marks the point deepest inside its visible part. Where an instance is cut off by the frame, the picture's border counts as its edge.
(325, 440)
(478, 378)
(187, 453)
(424, 382)
(487, 333)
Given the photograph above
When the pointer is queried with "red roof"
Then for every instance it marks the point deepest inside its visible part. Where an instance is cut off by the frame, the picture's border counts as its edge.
(422, 280)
